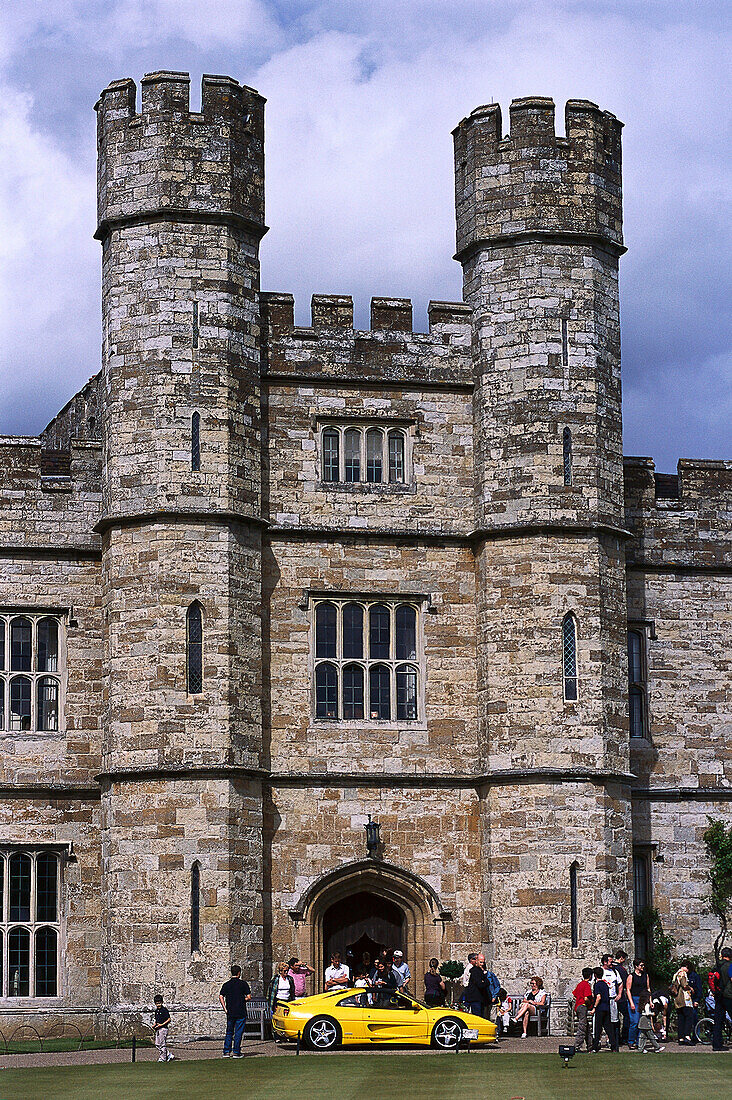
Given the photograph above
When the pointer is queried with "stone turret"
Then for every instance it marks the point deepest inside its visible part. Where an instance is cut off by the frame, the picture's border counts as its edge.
(539, 233)
(181, 208)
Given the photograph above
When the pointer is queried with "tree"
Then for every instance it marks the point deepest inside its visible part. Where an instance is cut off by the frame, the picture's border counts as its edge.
(718, 842)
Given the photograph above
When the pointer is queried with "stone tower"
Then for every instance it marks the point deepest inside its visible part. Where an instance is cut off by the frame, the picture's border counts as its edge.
(181, 214)
(539, 233)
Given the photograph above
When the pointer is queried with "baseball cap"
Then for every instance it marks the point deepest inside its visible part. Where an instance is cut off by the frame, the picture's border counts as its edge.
(398, 954)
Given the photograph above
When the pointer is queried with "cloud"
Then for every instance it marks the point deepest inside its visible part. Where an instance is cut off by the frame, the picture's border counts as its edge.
(361, 101)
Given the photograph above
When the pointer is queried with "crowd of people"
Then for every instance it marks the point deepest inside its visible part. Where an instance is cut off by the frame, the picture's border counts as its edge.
(611, 999)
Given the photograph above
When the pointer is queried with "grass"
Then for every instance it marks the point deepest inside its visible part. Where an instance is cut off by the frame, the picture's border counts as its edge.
(354, 1076)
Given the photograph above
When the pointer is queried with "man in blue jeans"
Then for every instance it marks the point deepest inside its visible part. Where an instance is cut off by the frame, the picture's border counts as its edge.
(233, 997)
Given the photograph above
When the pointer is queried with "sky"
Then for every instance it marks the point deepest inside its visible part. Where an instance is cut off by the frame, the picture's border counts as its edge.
(362, 96)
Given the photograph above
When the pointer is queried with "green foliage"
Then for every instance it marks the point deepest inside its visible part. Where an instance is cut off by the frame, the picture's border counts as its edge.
(451, 969)
(718, 842)
(660, 962)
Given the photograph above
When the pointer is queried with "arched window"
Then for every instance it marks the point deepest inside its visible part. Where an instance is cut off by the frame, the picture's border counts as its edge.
(47, 704)
(325, 630)
(406, 693)
(20, 644)
(406, 633)
(19, 887)
(396, 457)
(195, 907)
(47, 645)
(326, 691)
(352, 454)
(567, 455)
(573, 905)
(18, 962)
(379, 692)
(46, 962)
(331, 455)
(379, 630)
(569, 657)
(352, 632)
(196, 441)
(20, 703)
(353, 691)
(374, 455)
(194, 649)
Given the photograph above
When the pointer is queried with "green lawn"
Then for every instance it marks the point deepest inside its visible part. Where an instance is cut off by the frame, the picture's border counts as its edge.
(356, 1076)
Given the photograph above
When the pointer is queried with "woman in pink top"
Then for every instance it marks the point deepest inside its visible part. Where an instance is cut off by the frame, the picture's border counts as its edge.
(299, 972)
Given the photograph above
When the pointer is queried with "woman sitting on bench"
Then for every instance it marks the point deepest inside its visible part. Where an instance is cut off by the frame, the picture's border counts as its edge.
(530, 1005)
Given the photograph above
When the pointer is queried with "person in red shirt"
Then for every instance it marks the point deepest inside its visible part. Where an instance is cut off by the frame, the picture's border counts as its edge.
(582, 1007)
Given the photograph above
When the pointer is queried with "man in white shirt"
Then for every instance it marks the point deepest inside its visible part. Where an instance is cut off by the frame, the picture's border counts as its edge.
(401, 971)
(615, 985)
(467, 968)
(337, 975)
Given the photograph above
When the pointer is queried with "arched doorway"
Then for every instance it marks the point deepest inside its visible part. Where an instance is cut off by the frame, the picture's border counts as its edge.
(362, 922)
(375, 899)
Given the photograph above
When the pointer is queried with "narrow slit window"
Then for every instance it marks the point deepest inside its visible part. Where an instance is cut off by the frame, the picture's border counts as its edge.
(374, 455)
(565, 343)
(573, 905)
(331, 455)
(195, 908)
(396, 458)
(567, 455)
(195, 325)
(196, 441)
(194, 649)
(636, 684)
(569, 657)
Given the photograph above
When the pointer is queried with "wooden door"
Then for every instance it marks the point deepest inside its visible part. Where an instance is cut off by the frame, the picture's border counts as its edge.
(362, 922)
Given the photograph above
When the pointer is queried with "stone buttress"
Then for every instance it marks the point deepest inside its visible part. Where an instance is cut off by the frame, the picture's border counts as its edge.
(539, 233)
(181, 214)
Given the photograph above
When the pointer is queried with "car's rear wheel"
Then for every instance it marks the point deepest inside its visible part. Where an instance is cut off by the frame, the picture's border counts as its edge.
(447, 1033)
(322, 1033)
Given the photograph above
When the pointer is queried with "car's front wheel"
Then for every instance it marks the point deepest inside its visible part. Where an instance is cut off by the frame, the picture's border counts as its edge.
(447, 1033)
(322, 1033)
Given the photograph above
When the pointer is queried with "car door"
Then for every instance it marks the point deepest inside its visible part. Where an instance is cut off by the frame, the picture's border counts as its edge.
(349, 1013)
(394, 1018)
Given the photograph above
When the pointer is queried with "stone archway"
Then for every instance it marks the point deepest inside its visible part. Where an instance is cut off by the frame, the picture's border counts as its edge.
(400, 892)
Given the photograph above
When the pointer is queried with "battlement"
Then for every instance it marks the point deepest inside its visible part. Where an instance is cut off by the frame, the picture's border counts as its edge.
(534, 181)
(169, 158)
(335, 311)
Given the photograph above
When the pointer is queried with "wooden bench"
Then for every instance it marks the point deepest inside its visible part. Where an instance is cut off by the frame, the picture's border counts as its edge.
(543, 1014)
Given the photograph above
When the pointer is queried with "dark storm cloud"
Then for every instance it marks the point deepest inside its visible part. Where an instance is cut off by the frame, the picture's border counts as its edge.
(361, 101)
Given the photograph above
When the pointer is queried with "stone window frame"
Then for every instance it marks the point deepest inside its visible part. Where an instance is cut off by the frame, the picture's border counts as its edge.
(407, 429)
(643, 631)
(35, 615)
(420, 604)
(33, 926)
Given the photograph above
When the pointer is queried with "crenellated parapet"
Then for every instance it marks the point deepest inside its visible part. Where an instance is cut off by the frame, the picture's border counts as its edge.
(168, 159)
(534, 182)
(389, 351)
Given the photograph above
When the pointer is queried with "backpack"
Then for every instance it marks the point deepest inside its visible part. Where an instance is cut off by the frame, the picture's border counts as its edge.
(714, 978)
(493, 985)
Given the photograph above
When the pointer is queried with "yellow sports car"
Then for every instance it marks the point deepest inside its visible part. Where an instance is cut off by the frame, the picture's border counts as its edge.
(350, 1016)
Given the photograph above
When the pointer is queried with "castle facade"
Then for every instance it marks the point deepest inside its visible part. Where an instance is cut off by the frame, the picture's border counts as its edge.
(263, 583)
